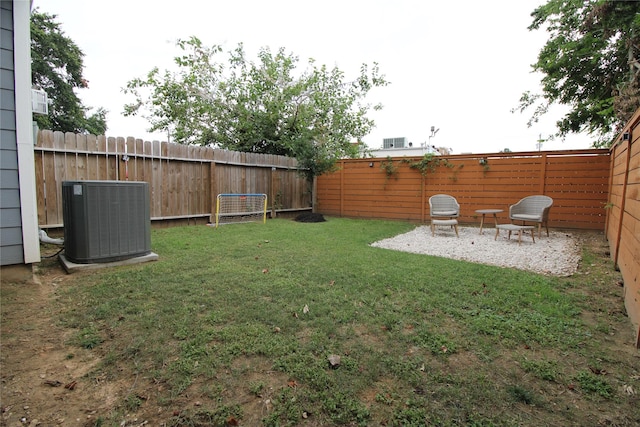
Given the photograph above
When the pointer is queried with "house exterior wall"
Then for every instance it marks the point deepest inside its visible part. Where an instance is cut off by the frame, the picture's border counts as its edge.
(412, 151)
(18, 214)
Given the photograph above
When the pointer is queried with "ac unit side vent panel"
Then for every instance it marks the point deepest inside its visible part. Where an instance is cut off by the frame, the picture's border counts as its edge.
(106, 221)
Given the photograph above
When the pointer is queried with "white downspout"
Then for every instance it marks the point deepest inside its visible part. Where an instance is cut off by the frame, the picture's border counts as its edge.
(24, 130)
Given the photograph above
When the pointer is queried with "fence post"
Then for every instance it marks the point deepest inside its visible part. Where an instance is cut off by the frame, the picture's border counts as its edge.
(314, 194)
(121, 165)
(212, 189)
(423, 199)
(272, 196)
(341, 188)
(623, 196)
(612, 157)
(543, 173)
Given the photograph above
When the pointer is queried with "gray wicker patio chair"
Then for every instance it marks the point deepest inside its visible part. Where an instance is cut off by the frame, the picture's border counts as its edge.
(444, 209)
(532, 209)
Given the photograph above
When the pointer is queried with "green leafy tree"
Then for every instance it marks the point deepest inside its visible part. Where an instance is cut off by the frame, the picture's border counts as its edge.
(262, 107)
(590, 63)
(56, 68)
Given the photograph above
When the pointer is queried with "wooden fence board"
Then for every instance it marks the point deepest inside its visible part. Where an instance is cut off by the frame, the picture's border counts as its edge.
(70, 167)
(39, 176)
(91, 158)
(48, 182)
(81, 157)
(59, 175)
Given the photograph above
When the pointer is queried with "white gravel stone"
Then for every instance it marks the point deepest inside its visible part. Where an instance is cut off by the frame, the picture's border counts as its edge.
(557, 255)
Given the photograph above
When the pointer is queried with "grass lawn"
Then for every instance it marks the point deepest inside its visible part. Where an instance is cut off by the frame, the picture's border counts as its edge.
(289, 323)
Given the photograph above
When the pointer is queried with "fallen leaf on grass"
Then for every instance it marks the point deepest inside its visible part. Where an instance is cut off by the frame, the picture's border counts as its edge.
(265, 270)
(292, 384)
(71, 386)
(334, 360)
(305, 310)
(598, 371)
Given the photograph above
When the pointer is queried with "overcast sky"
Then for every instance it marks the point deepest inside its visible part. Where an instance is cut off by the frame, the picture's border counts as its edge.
(459, 66)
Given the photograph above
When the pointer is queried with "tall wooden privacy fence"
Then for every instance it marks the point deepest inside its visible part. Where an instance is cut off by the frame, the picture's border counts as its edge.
(623, 222)
(396, 188)
(184, 181)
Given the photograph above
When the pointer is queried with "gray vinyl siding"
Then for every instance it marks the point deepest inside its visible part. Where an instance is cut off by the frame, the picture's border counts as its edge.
(11, 245)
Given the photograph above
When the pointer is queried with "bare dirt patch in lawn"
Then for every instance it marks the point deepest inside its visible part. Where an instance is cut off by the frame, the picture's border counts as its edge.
(44, 378)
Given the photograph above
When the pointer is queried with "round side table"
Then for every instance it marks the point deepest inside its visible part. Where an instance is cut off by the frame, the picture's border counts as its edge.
(484, 212)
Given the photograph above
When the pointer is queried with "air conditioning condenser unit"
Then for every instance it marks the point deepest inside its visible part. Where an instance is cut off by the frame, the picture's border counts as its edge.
(105, 221)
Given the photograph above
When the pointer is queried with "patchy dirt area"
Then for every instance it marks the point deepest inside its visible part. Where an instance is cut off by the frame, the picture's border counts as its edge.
(43, 379)
(42, 376)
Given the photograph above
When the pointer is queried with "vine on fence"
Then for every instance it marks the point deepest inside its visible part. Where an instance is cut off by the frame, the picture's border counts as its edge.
(484, 162)
(454, 177)
(390, 169)
(428, 163)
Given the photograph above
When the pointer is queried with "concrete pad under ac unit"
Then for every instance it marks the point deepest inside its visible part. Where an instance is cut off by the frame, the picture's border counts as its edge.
(72, 267)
